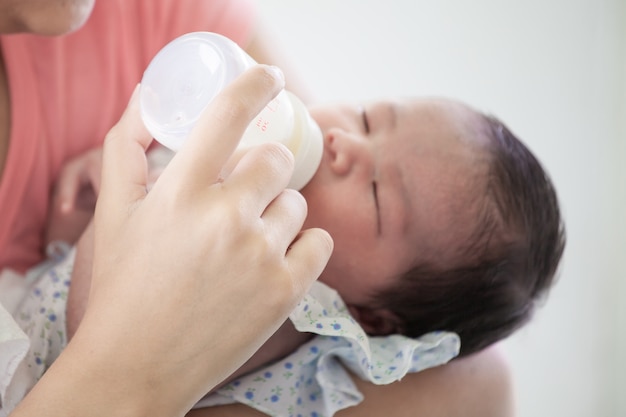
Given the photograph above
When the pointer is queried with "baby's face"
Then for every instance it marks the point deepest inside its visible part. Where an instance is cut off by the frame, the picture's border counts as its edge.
(394, 187)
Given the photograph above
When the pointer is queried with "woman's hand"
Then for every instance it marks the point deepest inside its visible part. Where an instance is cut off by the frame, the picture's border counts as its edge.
(190, 279)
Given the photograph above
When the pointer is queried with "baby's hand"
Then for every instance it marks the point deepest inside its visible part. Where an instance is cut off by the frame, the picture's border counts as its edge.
(74, 197)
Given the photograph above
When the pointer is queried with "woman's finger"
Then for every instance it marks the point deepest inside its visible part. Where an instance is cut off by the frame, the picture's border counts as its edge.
(284, 218)
(124, 166)
(223, 122)
(260, 175)
(307, 257)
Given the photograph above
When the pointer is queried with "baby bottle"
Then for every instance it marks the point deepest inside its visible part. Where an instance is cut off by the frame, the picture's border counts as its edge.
(191, 70)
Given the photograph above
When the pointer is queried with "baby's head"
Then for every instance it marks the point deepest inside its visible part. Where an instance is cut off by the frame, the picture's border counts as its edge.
(442, 219)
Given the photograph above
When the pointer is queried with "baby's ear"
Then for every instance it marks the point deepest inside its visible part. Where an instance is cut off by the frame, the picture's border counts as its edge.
(375, 321)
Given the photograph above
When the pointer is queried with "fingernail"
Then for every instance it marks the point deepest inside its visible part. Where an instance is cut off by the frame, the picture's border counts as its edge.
(277, 73)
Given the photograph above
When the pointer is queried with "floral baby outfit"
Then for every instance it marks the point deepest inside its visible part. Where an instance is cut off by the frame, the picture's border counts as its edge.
(313, 382)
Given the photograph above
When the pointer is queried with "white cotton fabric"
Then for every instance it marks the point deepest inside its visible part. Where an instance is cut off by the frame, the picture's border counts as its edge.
(32, 325)
(313, 381)
(15, 381)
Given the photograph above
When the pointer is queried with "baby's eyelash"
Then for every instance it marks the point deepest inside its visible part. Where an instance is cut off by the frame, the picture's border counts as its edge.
(375, 192)
(366, 123)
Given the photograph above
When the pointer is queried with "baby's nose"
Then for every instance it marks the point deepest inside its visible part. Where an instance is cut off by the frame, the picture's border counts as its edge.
(347, 154)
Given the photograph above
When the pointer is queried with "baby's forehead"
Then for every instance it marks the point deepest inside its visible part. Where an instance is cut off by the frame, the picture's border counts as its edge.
(447, 116)
(441, 108)
(438, 149)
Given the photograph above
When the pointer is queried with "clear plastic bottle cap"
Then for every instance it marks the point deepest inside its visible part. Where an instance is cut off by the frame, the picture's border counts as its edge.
(182, 79)
(190, 71)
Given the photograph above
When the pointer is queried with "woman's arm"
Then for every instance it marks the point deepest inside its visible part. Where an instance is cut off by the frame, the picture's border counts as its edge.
(476, 386)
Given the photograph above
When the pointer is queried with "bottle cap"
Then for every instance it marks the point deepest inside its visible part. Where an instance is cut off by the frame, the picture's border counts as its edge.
(182, 79)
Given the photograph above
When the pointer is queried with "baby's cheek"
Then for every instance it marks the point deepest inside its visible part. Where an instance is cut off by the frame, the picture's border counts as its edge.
(340, 274)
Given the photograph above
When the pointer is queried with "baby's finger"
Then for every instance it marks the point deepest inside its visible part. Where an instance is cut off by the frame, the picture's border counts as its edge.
(93, 171)
(66, 189)
(81, 184)
(124, 166)
(223, 122)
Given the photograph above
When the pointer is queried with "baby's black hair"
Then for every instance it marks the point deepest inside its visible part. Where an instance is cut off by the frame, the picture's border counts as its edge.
(506, 267)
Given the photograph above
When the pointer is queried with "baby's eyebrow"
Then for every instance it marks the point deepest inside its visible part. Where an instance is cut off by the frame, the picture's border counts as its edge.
(391, 109)
(383, 114)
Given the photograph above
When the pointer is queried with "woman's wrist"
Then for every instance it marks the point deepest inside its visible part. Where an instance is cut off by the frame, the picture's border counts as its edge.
(89, 379)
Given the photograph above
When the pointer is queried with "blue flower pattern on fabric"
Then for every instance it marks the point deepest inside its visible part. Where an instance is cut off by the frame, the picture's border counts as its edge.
(41, 314)
(316, 382)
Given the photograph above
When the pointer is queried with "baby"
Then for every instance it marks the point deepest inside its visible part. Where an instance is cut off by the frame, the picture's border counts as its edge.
(442, 220)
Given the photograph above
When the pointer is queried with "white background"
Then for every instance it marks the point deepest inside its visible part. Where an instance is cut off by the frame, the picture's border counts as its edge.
(554, 71)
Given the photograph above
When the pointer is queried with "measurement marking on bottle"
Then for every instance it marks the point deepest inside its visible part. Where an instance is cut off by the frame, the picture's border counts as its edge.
(262, 124)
